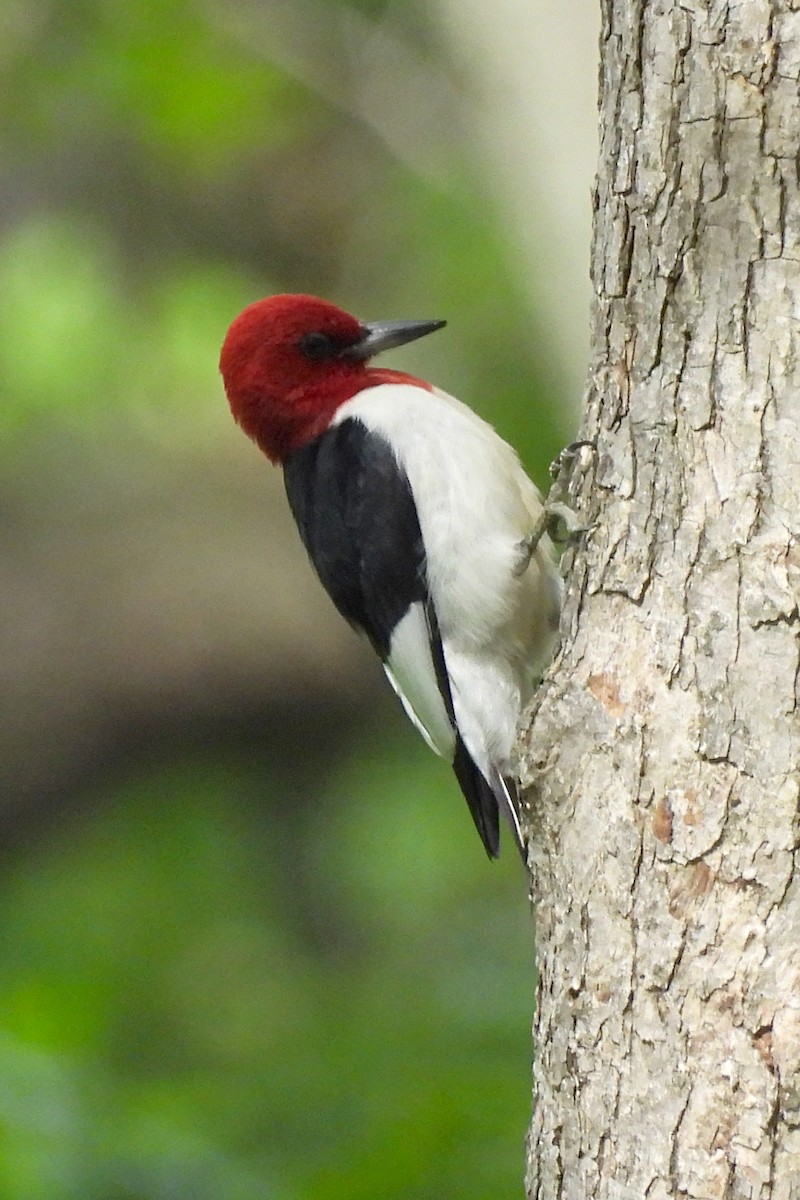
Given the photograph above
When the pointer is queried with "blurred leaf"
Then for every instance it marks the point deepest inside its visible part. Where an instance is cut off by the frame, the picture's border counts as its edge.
(76, 347)
(186, 1046)
(161, 70)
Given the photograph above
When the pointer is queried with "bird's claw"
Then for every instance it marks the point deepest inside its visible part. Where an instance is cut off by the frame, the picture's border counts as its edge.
(563, 465)
(560, 519)
(559, 522)
(562, 523)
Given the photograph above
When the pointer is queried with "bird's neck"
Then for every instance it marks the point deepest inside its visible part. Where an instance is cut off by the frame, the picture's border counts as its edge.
(280, 428)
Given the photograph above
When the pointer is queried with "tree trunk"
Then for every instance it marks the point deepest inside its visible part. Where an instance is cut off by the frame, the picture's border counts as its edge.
(663, 758)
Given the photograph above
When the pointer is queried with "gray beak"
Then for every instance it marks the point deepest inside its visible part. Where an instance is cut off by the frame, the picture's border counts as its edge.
(386, 335)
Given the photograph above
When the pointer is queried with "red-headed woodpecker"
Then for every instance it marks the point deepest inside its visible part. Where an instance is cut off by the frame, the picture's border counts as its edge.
(420, 521)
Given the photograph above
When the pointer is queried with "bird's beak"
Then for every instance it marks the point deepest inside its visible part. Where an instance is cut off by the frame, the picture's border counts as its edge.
(385, 335)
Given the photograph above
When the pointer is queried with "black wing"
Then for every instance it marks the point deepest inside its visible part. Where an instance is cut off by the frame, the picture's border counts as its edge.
(358, 521)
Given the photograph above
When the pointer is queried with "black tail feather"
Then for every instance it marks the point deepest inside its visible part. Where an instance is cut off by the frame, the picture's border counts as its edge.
(486, 800)
(480, 798)
(505, 789)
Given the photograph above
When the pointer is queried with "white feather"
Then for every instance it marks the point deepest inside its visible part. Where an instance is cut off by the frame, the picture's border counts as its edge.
(412, 674)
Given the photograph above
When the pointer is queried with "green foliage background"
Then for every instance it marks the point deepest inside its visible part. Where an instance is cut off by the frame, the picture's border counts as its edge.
(250, 945)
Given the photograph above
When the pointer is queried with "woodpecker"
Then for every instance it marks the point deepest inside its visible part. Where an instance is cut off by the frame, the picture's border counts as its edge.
(420, 521)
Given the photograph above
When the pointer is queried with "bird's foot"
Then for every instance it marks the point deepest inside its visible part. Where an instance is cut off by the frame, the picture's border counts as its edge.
(563, 525)
(561, 468)
(562, 521)
(559, 522)
(558, 519)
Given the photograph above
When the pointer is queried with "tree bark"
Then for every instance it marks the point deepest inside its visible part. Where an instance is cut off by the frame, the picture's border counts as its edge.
(663, 759)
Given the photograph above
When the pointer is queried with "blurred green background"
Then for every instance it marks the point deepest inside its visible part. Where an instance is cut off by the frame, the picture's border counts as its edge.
(250, 946)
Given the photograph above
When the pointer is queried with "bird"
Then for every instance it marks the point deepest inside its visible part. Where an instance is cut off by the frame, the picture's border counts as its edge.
(420, 521)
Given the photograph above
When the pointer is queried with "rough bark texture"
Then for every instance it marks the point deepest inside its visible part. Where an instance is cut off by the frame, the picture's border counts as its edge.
(664, 757)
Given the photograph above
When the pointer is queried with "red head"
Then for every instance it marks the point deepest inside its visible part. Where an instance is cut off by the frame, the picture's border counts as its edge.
(288, 362)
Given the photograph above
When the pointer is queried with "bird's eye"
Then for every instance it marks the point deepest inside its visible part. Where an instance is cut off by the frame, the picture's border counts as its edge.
(318, 346)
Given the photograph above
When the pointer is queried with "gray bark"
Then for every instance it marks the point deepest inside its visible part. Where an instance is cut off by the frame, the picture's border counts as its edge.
(663, 758)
